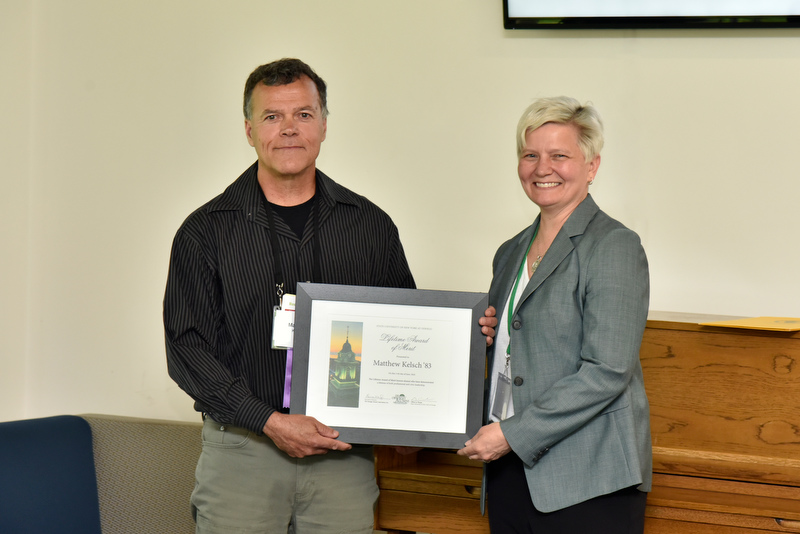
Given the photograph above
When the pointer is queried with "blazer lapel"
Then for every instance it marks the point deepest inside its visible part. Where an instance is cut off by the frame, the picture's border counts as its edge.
(508, 266)
(561, 247)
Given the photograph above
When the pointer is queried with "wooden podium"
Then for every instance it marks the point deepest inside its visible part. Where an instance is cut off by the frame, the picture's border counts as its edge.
(725, 422)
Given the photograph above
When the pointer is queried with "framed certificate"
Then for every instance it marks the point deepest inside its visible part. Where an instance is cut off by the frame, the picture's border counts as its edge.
(390, 366)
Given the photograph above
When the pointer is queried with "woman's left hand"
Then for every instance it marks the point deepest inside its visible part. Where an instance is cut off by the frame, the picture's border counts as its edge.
(488, 323)
(487, 445)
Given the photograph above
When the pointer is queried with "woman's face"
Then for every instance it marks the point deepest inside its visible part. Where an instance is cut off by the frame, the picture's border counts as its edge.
(553, 170)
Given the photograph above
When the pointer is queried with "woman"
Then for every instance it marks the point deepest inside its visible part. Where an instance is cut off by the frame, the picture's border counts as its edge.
(568, 438)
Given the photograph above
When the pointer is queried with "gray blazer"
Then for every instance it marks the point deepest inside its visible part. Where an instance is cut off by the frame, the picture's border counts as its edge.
(582, 421)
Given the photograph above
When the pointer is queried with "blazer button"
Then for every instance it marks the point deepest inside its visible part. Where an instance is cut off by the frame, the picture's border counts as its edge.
(518, 381)
(517, 324)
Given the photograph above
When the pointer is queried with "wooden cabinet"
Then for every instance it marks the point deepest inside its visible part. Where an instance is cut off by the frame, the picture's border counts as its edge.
(681, 504)
(725, 422)
(431, 491)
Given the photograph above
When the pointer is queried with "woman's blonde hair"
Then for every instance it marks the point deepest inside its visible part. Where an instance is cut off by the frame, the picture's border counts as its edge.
(564, 110)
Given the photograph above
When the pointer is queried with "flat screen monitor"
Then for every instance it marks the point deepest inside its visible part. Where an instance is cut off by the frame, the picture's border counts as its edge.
(620, 14)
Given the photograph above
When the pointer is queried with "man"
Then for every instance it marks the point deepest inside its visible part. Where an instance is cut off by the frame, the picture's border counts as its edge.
(282, 221)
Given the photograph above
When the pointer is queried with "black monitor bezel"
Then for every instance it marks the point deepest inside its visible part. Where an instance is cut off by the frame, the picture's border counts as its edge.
(621, 23)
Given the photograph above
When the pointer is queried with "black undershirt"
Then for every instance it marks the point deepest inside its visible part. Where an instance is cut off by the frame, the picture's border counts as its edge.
(295, 216)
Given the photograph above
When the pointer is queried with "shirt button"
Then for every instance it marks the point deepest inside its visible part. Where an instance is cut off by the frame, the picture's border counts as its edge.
(517, 324)
(518, 381)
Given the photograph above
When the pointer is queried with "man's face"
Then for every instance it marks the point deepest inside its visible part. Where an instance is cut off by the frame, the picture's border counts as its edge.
(286, 128)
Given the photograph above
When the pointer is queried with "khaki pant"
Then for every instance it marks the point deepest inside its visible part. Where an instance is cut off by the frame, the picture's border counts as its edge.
(246, 485)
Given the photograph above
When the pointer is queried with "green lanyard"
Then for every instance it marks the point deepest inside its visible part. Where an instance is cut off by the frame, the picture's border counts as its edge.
(511, 302)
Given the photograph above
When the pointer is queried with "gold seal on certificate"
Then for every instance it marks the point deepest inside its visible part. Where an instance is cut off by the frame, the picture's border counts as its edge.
(390, 366)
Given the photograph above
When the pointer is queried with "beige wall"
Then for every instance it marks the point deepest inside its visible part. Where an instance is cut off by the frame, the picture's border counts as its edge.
(119, 118)
(15, 153)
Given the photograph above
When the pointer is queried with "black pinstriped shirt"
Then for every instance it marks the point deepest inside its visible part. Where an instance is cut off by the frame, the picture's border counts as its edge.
(221, 290)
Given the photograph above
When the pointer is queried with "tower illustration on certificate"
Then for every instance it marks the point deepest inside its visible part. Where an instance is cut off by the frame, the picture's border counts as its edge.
(344, 376)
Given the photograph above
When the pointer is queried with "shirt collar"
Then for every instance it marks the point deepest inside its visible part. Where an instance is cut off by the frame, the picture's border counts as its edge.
(245, 193)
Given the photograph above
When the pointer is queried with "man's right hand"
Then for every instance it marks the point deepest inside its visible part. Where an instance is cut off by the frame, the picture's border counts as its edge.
(301, 435)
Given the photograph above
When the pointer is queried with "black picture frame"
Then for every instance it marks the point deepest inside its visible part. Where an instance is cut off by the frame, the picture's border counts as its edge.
(317, 303)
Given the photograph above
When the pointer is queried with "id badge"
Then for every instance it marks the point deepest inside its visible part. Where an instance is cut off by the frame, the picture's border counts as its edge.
(502, 397)
(283, 323)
